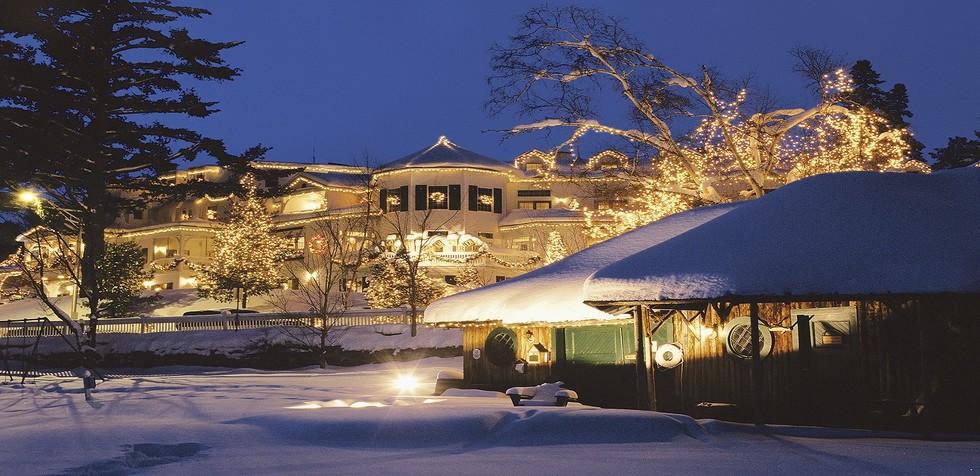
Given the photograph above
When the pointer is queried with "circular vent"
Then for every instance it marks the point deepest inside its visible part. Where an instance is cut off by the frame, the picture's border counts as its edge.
(501, 347)
(738, 338)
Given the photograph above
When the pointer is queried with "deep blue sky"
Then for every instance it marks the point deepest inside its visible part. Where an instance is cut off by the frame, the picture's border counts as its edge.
(387, 78)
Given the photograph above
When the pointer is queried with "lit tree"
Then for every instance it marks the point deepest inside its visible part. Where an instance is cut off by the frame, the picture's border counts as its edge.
(469, 278)
(562, 57)
(556, 249)
(247, 254)
(121, 276)
(392, 285)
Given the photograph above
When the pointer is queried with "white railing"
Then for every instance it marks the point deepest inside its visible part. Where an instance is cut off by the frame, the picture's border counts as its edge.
(232, 321)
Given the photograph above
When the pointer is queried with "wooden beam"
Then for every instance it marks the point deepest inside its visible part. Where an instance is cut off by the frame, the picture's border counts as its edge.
(756, 364)
(645, 391)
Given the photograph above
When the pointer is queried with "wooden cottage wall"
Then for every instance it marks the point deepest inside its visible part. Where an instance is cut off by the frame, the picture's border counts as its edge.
(481, 373)
(709, 375)
(888, 366)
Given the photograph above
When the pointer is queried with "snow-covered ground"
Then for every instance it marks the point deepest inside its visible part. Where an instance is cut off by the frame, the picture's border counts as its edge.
(353, 421)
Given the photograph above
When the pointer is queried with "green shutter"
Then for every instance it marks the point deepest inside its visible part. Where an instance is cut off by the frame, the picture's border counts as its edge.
(403, 197)
(421, 197)
(454, 197)
(473, 197)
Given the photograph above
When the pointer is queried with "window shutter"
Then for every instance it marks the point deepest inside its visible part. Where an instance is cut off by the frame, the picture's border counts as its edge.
(421, 197)
(454, 197)
(383, 204)
(474, 194)
(403, 197)
(498, 200)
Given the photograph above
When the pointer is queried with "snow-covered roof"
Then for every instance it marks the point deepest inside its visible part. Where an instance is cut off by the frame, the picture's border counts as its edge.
(849, 234)
(554, 292)
(337, 179)
(444, 153)
(550, 215)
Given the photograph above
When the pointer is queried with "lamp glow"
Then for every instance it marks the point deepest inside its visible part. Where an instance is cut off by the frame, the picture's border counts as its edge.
(406, 384)
(29, 197)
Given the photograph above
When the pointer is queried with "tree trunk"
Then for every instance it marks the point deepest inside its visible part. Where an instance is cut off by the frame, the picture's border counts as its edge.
(323, 345)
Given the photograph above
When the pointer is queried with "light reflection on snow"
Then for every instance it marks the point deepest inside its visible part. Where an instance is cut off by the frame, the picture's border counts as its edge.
(398, 402)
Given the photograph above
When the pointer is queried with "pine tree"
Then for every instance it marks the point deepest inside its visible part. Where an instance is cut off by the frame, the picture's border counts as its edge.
(86, 101)
(959, 152)
(247, 254)
(389, 286)
(895, 108)
(556, 248)
(866, 86)
(121, 278)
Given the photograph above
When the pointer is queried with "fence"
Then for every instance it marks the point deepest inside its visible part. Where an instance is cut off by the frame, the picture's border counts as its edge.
(231, 321)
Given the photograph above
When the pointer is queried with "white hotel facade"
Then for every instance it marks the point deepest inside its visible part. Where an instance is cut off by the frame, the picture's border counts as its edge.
(494, 216)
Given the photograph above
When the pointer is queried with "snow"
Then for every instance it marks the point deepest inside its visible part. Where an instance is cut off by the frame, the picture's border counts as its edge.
(554, 293)
(857, 233)
(351, 421)
(522, 215)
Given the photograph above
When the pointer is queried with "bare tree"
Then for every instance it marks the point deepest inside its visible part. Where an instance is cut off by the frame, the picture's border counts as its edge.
(408, 241)
(562, 58)
(815, 64)
(337, 249)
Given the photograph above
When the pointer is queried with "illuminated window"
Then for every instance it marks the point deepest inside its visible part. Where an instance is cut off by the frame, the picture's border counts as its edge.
(212, 213)
(484, 200)
(533, 205)
(439, 197)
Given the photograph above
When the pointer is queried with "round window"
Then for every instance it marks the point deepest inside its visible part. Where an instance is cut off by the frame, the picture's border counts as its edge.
(738, 338)
(501, 347)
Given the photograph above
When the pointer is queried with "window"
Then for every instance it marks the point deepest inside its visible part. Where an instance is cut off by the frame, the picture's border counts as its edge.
(534, 193)
(137, 214)
(439, 197)
(609, 204)
(294, 283)
(535, 205)
(437, 232)
(532, 167)
(394, 199)
(168, 286)
(488, 236)
(470, 247)
(212, 213)
(500, 278)
(186, 214)
(484, 200)
(501, 347)
(146, 255)
(450, 279)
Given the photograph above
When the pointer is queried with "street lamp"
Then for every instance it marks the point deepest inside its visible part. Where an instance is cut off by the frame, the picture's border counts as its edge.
(32, 198)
